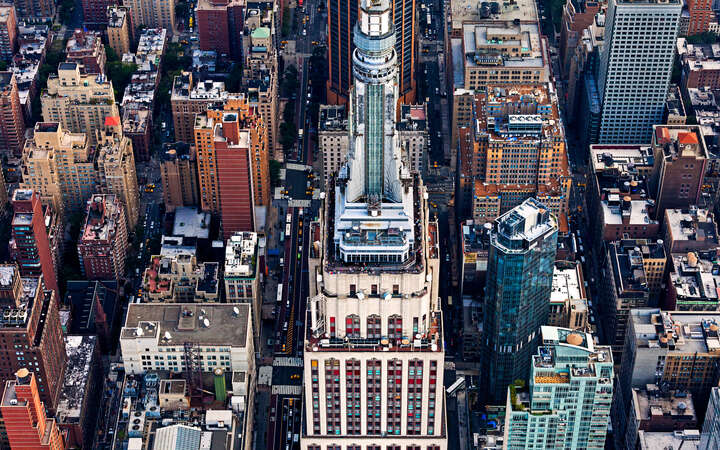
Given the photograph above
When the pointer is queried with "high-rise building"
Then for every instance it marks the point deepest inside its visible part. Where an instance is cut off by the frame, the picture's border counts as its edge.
(24, 417)
(31, 321)
(342, 17)
(517, 293)
(35, 9)
(178, 171)
(260, 80)
(137, 125)
(190, 98)
(153, 13)
(119, 29)
(86, 49)
(680, 161)
(231, 146)
(32, 238)
(103, 241)
(220, 26)
(516, 126)
(333, 139)
(8, 32)
(635, 67)
(567, 403)
(576, 18)
(79, 102)
(116, 168)
(95, 12)
(12, 122)
(374, 324)
(60, 166)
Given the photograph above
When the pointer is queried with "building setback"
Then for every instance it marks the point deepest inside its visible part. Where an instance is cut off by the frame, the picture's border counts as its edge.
(24, 417)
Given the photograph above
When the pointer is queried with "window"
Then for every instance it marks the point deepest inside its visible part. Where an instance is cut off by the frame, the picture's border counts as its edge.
(352, 289)
(373, 326)
(395, 327)
(352, 326)
(374, 289)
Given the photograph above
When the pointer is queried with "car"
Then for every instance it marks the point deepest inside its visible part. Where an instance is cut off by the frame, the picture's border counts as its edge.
(285, 325)
(304, 32)
(184, 42)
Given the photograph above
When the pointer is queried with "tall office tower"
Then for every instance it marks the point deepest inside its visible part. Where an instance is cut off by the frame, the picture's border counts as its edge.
(32, 238)
(680, 161)
(31, 321)
(178, 171)
(523, 243)
(576, 18)
(23, 412)
(231, 146)
(220, 27)
(153, 13)
(567, 403)
(374, 325)
(116, 168)
(35, 9)
(635, 67)
(95, 13)
(515, 127)
(12, 122)
(119, 29)
(8, 32)
(79, 102)
(103, 242)
(342, 17)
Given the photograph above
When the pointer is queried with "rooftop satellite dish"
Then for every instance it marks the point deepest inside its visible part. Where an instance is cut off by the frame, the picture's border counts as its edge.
(206, 323)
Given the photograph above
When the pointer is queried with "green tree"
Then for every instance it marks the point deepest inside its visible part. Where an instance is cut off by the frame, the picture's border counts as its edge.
(274, 167)
(289, 83)
(120, 73)
(288, 135)
(703, 38)
(234, 79)
(286, 24)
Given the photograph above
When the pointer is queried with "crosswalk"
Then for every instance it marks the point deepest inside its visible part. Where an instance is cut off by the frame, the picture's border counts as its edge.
(283, 389)
(287, 361)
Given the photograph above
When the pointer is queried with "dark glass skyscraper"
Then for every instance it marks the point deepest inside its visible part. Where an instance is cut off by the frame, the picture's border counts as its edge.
(519, 283)
(342, 16)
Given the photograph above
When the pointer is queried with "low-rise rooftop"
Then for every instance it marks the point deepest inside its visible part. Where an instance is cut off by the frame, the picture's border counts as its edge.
(189, 222)
(241, 254)
(224, 324)
(80, 351)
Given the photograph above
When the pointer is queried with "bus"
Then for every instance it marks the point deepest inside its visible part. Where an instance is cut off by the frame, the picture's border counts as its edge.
(279, 294)
(288, 219)
(287, 229)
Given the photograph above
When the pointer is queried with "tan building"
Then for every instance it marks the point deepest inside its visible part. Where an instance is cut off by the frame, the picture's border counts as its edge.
(79, 102)
(260, 80)
(103, 240)
(60, 165)
(178, 170)
(190, 98)
(153, 13)
(12, 122)
(119, 29)
(262, 94)
(116, 168)
(499, 52)
(515, 150)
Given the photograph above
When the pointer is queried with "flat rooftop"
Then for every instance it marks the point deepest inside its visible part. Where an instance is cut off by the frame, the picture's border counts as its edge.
(176, 323)
(488, 44)
(566, 284)
(80, 351)
(681, 332)
(473, 11)
(189, 222)
(241, 254)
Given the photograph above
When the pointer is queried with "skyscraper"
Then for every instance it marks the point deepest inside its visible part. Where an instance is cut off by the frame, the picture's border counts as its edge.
(519, 282)
(373, 353)
(12, 122)
(568, 401)
(635, 67)
(30, 244)
(342, 16)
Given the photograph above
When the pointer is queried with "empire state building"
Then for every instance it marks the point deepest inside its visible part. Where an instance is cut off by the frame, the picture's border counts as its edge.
(373, 349)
